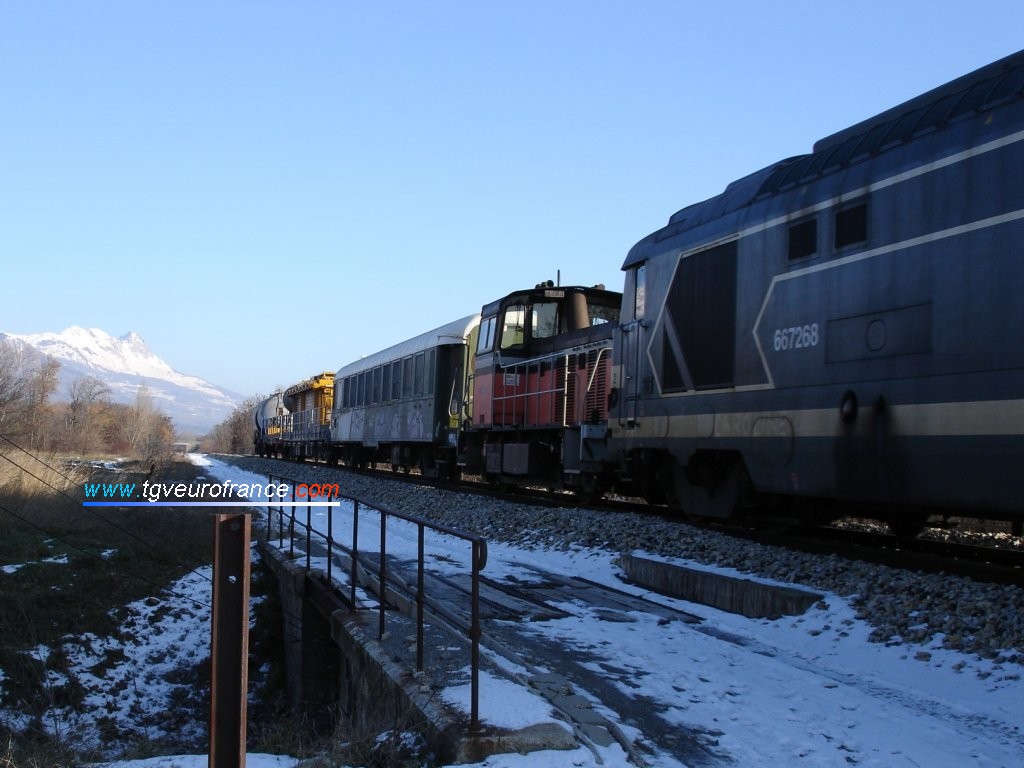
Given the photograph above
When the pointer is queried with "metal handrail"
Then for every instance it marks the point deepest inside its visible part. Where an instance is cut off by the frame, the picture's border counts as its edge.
(478, 545)
(524, 398)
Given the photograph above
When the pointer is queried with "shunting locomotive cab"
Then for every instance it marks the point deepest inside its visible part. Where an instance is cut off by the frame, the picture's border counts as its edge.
(540, 390)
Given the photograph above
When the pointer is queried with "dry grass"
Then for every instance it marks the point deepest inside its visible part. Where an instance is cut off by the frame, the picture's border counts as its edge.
(74, 569)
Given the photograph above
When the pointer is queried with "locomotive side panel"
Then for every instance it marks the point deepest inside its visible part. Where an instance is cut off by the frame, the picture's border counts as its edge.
(851, 335)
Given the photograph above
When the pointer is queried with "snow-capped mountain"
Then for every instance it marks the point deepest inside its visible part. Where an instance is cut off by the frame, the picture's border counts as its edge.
(124, 363)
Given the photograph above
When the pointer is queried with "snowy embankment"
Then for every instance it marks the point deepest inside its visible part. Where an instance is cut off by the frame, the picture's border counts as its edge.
(818, 687)
(814, 689)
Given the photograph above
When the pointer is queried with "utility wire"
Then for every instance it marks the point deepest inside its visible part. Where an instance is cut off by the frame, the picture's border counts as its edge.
(95, 556)
(190, 557)
(293, 620)
(289, 618)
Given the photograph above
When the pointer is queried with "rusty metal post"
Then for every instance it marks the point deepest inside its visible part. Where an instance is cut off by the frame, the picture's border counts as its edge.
(383, 571)
(229, 641)
(420, 597)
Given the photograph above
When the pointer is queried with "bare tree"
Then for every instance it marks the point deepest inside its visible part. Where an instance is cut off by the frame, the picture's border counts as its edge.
(12, 385)
(137, 419)
(234, 434)
(86, 397)
(27, 380)
(155, 442)
(42, 383)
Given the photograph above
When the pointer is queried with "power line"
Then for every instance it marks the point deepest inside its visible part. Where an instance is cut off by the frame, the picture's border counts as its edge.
(190, 557)
(96, 556)
(287, 617)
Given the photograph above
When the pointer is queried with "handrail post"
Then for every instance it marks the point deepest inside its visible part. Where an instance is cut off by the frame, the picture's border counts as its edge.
(291, 527)
(355, 552)
(383, 572)
(309, 532)
(330, 538)
(270, 508)
(280, 521)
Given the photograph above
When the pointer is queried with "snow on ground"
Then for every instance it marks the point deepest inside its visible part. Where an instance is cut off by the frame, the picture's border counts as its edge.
(128, 678)
(131, 679)
(809, 689)
(15, 567)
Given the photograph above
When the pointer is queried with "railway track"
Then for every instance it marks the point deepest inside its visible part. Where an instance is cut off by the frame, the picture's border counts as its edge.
(987, 561)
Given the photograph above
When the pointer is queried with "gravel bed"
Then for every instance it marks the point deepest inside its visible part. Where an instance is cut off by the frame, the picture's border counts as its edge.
(899, 605)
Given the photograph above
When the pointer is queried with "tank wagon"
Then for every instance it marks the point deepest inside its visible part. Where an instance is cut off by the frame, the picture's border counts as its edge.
(540, 387)
(268, 416)
(407, 404)
(844, 325)
(296, 422)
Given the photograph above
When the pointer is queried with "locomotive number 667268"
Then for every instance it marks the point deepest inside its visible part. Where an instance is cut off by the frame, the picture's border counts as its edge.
(797, 337)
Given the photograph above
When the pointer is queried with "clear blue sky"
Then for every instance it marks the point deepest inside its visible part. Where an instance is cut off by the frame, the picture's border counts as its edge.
(266, 190)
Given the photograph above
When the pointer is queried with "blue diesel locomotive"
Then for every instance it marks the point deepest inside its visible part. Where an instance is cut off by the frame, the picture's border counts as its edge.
(846, 325)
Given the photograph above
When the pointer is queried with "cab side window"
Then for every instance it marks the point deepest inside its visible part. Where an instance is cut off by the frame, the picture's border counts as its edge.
(545, 320)
(513, 326)
(485, 341)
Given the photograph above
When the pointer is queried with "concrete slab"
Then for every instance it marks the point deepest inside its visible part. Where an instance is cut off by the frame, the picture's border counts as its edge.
(753, 599)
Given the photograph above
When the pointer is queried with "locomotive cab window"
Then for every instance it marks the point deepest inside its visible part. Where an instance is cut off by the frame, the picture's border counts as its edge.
(851, 226)
(544, 319)
(485, 340)
(513, 326)
(601, 314)
(639, 290)
(803, 239)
